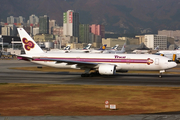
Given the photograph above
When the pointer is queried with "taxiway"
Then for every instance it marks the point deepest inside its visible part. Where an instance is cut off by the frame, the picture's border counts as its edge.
(8, 75)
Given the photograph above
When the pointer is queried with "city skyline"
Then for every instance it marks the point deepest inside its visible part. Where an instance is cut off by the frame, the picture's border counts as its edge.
(138, 16)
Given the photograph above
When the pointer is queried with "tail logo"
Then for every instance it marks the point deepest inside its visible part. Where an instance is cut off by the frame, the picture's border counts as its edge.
(28, 44)
(104, 47)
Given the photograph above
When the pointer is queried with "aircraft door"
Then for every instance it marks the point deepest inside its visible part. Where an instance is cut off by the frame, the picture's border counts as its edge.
(156, 61)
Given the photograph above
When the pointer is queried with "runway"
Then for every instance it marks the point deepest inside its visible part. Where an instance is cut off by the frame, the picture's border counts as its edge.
(18, 76)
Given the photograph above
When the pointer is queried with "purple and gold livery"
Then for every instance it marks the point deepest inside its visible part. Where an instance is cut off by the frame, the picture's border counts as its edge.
(119, 59)
(149, 61)
(28, 44)
(104, 64)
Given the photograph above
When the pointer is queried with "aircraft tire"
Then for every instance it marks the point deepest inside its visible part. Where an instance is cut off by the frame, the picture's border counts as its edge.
(94, 74)
(85, 75)
(160, 76)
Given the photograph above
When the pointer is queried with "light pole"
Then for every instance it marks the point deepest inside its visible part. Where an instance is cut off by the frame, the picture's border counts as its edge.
(12, 43)
(1, 42)
(60, 43)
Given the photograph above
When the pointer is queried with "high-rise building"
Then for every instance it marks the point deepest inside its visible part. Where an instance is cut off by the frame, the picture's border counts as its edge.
(52, 24)
(33, 19)
(17, 19)
(44, 24)
(9, 30)
(98, 30)
(152, 41)
(12, 20)
(175, 34)
(35, 31)
(6, 31)
(110, 42)
(58, 30)
(71, 23)
(84, 33)
(169, 33)
(21, 19)
(141, 38)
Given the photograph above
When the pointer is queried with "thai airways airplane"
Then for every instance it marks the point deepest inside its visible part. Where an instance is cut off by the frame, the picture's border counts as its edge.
(103, 64)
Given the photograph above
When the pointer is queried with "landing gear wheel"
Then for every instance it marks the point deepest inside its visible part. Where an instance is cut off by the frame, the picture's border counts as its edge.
(85, 75)
(160, 73)
(93, 74)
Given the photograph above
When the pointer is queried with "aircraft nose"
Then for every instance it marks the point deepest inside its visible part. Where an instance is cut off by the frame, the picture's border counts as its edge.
(172, 64)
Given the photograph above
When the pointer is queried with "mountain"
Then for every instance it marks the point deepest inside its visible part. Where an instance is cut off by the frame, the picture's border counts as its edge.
(122, 16)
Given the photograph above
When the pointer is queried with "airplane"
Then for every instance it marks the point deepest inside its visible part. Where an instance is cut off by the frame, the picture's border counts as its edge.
(85, 49)
(67, 47)
(100, 50)
(65, 50)
(177, 48)
(157, 48)
(172, 54)
(102, 64)
(114, 49)
(145, 51)
(103, 47)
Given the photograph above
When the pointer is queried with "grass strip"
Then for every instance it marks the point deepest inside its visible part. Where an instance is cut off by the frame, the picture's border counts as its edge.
(77, 100)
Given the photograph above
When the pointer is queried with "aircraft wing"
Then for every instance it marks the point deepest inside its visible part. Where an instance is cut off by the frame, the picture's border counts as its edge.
(80, 64)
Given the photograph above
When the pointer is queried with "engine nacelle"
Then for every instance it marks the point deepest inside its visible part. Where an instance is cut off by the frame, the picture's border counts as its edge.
(107, 69)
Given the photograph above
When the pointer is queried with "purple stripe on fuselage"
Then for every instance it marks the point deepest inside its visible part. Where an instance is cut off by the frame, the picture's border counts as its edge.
(97, 60)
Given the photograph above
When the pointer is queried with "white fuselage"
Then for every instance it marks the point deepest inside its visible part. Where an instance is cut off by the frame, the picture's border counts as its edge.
(105, 64)
(122, 61)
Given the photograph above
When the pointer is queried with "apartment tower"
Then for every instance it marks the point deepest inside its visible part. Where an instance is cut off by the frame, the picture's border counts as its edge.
(98, 30)
(71, 23)
(44, 24)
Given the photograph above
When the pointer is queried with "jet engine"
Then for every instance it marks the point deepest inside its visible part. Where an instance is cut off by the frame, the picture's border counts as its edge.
(107, 69)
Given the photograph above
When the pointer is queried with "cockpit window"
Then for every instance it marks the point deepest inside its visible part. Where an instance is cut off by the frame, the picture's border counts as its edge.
(170, 61)
(157, 54)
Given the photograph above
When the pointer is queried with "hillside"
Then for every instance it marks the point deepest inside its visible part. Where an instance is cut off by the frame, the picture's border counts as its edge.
(125, 16)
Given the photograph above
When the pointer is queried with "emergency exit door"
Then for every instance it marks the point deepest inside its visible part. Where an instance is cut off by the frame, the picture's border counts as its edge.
(157, 61)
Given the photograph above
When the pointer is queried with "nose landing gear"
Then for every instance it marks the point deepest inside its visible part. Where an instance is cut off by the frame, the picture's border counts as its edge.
(160, 73)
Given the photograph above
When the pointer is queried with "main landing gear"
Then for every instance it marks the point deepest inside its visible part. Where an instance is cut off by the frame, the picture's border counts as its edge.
(93, 74)
(160, 73)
